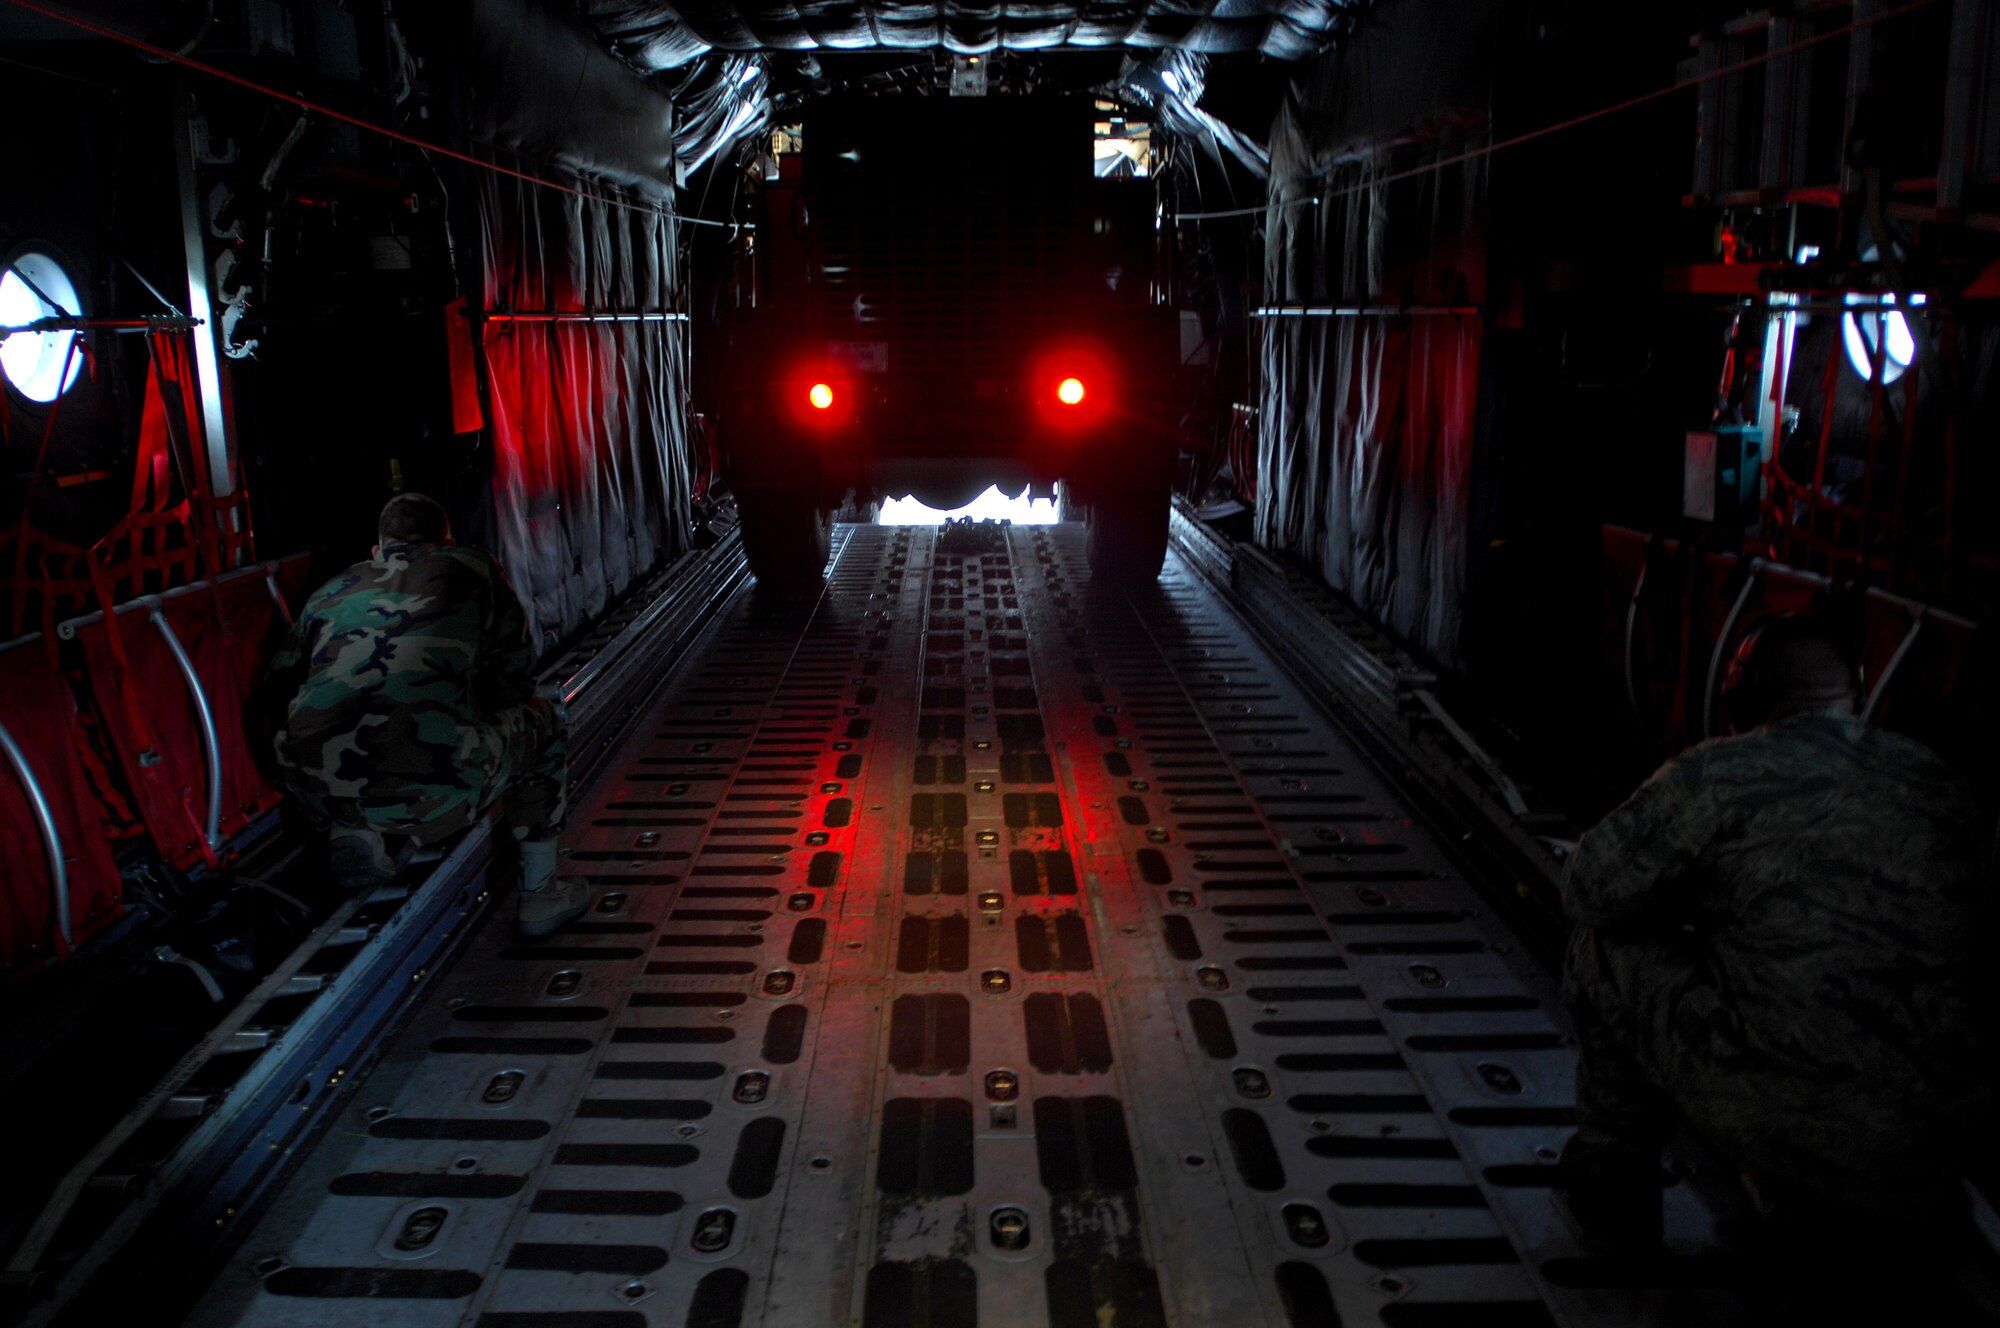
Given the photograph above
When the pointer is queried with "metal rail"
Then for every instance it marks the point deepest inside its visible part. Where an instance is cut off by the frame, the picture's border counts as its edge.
(1711, 687)
(1375, 686)
(1895, 664)
(576, 316)
(154, 607)
(211, 742)
(69, 627)
(162, 323)
(1366, 311)
(45, 821)
(170, 1095)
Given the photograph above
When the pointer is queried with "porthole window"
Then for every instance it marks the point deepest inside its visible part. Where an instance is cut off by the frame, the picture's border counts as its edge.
(39, 365)
(1878, 329)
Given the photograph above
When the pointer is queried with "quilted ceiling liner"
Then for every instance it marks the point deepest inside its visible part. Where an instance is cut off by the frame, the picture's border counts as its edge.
(655, 37)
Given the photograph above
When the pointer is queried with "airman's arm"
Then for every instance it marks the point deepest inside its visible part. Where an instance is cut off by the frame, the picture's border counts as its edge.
(1633, 860)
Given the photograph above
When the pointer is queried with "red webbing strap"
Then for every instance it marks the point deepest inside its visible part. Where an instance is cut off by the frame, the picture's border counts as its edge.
(96, 751)
(149, 469)
(152, 772)
(27, 499)
(168, 364)
(224, 532)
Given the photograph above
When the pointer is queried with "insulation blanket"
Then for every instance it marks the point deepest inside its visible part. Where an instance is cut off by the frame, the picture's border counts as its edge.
(1365, 452)
(547, 91)
(590, 469)
(1368, 417)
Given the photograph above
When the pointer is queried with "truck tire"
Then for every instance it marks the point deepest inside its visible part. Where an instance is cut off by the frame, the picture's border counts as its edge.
(855, 510)
(786, 536)
(1070, 507)
(1125, 535)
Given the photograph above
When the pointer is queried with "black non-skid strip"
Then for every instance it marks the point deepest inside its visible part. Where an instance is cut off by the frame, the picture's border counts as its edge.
(1082, 1144)
(784, 1035)
(586, 1257)
(759, 1149)
(670, 1036)
(925, 1147)
(719, 1299)
(562, 1319)
(642, 1108)
(607, 1203)
(1211, 1028)
(427, 1185)
(1089, 1295)
(931, 1034)
(625, 1155)
(934, 1293)
(374, 1283)
(511, 1046)
(475, 1129)
(1067, 1034)
(1466, 1314)
(1307, 1300)
(658, 1071)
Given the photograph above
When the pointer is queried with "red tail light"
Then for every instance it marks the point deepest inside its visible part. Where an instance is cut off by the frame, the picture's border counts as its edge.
(820, 402)
(1074, 386)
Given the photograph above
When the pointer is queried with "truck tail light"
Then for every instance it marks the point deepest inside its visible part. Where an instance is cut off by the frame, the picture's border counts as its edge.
(1074, 386)
(822, 403)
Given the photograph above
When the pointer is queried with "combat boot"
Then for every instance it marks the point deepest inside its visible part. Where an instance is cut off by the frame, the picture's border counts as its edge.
(1611, 1195)
(547, 900)
(563, 900)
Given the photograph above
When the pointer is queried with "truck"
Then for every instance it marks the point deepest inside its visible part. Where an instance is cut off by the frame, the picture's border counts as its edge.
(951, 293)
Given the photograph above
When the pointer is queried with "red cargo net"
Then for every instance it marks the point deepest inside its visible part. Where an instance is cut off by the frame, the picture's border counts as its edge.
(227, 630)
(174, 530)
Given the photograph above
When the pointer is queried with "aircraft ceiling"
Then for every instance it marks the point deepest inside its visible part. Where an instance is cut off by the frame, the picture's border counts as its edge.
(655, 37)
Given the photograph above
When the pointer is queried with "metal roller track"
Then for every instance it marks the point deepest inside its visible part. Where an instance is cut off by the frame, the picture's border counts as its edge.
(972, 947)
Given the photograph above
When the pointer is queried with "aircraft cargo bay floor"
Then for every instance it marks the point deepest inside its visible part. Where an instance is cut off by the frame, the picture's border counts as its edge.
(971, 947)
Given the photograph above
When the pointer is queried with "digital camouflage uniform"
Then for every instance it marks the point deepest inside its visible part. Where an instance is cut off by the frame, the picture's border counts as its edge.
(1776, 935)
(411, 707)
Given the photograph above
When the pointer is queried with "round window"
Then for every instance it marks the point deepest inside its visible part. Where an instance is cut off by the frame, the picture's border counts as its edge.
(1877, 328)
(40, 365)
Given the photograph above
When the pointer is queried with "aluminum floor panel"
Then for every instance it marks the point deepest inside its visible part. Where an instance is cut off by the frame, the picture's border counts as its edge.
(972, 947)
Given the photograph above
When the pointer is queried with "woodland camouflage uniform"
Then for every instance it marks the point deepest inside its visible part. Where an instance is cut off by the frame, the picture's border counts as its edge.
(1776, 935)
(411, 679)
